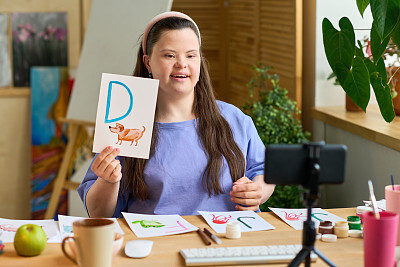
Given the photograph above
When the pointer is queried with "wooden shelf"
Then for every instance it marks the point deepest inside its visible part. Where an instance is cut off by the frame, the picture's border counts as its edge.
(369, 125)
(12, 92)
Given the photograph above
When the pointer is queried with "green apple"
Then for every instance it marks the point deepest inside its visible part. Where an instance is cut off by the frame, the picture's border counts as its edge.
(30, 240)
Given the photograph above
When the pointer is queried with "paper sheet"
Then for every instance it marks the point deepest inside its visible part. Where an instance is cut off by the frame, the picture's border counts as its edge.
(8, 228)
(125, 114)
(143, 225)
(296, 217)
(249, 220)
(65, 223)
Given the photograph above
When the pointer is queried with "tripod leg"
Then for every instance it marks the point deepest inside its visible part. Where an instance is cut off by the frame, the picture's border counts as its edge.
(303, 253)
(322, 256)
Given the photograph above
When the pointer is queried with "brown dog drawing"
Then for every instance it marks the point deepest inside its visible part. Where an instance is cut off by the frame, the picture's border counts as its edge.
(130, 135)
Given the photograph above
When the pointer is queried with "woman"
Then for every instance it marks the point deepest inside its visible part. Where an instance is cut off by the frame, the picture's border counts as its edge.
(205, 154)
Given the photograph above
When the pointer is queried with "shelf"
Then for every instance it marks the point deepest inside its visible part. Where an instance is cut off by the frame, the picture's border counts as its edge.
(14, 91)
(369, 125)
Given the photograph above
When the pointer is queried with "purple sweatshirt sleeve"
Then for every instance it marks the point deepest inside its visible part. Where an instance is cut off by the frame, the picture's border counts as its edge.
(88, 181)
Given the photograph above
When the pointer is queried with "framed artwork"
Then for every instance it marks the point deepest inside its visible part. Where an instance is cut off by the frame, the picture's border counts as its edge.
(5, 69)
(72, 11)
(38, 39)
(49, 100)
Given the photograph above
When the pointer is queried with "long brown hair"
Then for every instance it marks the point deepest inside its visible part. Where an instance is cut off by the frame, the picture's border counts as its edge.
(214, 131)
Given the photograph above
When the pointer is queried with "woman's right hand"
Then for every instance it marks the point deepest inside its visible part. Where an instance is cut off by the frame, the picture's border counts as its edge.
(106, 167)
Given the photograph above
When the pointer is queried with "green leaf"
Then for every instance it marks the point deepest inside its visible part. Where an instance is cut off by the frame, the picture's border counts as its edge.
(355, 82)
(339, 45)
(396, 33)
(383, 97)
(359, 52)
(385, 14)
(362, 5)
(378, 46)
(370, 66)
(381, 69)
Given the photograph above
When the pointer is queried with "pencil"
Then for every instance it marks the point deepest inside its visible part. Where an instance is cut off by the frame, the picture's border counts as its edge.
(204, 237)
(213, 237)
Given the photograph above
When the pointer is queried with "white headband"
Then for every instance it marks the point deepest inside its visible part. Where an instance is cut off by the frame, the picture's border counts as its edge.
(163, 16)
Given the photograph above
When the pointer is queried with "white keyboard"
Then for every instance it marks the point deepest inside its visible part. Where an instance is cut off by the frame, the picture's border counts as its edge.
(241, 255)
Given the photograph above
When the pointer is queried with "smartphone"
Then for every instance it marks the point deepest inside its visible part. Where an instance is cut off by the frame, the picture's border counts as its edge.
(289, 164)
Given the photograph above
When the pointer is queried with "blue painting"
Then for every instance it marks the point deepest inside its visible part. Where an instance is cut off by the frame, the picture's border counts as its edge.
(49, 102)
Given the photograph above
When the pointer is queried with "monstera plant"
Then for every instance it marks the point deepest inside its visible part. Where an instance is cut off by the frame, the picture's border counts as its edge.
(356, 72)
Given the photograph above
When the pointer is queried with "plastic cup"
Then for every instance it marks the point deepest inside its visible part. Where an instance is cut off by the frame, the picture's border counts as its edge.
(380, 239)
(393, 204)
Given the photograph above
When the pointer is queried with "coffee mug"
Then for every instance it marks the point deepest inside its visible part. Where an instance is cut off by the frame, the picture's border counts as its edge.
(392, 198)
(94, 240)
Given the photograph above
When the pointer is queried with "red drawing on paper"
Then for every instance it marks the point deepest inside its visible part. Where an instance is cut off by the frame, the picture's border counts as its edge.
(292, 216)
(130, 135)
(9, 228)
(220, 219)
(180, 227)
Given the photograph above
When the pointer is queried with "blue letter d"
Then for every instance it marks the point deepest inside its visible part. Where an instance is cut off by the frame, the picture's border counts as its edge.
(107, 120)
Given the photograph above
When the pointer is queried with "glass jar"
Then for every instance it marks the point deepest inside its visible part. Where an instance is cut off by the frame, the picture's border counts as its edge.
(354, 222)
(341, 229)
(325, 227)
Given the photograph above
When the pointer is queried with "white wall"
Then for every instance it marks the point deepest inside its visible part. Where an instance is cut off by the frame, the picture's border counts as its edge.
(366, 160)
(327, 94)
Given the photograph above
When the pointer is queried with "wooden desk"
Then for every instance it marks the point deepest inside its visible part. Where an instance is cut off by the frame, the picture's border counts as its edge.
(165, 252)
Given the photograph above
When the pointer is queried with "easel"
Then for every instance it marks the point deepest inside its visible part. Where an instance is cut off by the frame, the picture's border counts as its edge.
(61, 182)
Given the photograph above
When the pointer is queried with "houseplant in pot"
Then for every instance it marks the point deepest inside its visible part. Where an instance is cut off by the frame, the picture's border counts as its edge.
(276, 119)
(356, 72)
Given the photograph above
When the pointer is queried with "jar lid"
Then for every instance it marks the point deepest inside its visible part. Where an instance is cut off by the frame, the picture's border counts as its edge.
(329, 238)
(353, 218)
(355, 233)
(325, 223)
(341, 224)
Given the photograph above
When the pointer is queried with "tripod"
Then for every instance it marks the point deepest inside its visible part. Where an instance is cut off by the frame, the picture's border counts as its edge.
(309, 199)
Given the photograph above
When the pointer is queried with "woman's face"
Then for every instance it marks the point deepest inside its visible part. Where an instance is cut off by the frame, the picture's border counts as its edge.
(175, 61)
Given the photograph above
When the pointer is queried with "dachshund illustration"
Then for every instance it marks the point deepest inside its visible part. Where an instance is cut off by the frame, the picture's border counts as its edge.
(130, 135)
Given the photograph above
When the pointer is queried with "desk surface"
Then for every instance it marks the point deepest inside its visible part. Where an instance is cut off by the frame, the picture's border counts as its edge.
(165, 252)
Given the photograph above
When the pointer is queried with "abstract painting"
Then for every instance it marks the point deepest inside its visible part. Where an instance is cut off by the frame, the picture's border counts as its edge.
(5, 71)
(38, 39)
(49, 102)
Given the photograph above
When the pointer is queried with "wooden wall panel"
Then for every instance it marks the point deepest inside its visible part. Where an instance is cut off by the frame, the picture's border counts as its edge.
(242, 48)
(281, 42)
(206, 13)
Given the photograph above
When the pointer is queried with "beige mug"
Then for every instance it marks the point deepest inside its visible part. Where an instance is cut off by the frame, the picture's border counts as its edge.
(94, 238)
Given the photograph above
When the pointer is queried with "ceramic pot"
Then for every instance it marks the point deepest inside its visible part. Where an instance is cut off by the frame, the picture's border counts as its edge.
(351, 106)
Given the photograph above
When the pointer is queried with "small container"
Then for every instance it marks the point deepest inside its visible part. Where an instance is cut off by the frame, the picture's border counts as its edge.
(360, 210)
(341, 229)
(354, 222)
(325, 227)
(233, 230)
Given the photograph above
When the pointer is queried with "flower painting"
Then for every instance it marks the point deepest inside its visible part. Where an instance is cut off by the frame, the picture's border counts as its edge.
(38, 39)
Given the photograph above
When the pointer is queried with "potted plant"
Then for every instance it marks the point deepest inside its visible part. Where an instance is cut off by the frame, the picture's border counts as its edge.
(355, 71)
(276, 119)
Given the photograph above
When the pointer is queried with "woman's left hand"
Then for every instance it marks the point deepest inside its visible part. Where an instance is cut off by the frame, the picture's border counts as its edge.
(247, 194)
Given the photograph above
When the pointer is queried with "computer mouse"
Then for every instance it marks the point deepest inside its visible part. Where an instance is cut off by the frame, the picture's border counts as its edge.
(138, 248)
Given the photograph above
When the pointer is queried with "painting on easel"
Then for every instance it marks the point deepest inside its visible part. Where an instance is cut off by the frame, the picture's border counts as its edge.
(49, 101)
(38, 39)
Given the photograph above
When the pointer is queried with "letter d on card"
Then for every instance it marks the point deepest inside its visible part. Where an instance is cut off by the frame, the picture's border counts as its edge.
(125, 114)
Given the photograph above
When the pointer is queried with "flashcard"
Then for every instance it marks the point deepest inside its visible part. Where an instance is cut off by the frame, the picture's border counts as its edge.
(249, 220)
(65, 224)
(296, 217)
(125, 114)
(8, 228)
(143, 225)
